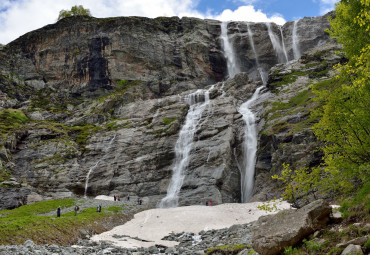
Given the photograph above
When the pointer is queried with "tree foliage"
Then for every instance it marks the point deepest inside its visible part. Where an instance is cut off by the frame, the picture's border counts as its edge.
(77, 10)
(344, 114)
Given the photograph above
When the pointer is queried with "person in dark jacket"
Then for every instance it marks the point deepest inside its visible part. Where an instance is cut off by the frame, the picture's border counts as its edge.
(58, 211)
(76, 209)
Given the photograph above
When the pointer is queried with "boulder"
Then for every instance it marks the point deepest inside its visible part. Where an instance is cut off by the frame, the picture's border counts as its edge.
(352, 249)
(272, 233)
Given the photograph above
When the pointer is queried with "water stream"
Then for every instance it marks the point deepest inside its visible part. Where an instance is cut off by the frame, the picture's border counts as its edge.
(259, 68)
(249, 148)
(232, 66)
(91, 170)
(198, 101)
(296, 51)
(283, 44)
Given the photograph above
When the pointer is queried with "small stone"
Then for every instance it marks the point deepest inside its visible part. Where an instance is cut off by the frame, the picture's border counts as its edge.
(29, 244)
(171, 250)
(316, 234)
(336, 216)
(153, 249)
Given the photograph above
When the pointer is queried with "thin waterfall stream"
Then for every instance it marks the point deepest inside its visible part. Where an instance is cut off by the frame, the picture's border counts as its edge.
(295, 40)
(278, 48)
(259, 68)
(91, 170)
(232, 66)
(198, 102)
(283, 44)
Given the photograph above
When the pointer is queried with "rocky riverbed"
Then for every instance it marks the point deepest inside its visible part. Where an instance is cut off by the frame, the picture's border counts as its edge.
(189, 243)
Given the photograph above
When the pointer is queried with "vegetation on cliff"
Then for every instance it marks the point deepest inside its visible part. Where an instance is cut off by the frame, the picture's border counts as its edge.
(77, 10)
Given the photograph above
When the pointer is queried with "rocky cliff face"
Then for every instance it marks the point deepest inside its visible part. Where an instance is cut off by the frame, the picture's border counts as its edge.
(104, 98)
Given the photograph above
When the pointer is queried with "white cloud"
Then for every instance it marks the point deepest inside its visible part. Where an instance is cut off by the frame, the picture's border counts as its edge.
(326, 5)
(18, 17)
(248, 13)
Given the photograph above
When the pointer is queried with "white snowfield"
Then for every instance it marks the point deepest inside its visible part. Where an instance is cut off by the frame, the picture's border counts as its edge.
(147, 228)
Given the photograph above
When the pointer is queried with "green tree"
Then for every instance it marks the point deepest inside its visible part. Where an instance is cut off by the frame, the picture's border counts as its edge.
(345, 117)
(344, 114)
(77, 10)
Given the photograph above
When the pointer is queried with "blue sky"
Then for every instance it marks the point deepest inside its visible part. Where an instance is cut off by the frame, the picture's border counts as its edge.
(289, 9)
(18, 17)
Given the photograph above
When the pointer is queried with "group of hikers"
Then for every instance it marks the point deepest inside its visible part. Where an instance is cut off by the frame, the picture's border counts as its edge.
(98, 208)
(139, 200)
(76, 209)
(210, 203)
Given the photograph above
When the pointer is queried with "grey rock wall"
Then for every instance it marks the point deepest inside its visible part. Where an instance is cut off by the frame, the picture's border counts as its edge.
(108, 94)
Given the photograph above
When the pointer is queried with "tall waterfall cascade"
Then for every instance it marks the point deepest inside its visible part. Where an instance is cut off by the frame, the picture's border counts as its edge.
(232, 66)
(278, 48)
(249, 148)
(198, 102)
(91, 170)
(295, 41)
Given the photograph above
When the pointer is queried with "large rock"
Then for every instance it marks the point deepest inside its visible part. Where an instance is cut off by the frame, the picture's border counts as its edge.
(274, 232)
(352, 250)
(13, 197)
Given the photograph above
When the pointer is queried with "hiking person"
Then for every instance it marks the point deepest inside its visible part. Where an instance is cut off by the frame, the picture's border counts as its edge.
(206, 203)
(98, 209)
(128, 198)
(58, 211)
(115, 198)
(140, 202)
(210, 203)
(76, 209)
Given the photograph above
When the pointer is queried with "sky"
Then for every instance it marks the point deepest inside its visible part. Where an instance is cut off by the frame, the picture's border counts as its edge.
(18, 17)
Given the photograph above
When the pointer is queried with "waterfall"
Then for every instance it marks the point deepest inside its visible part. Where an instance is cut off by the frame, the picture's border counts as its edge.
(232, 67)
(260, 70)
(155, 115)
(198, 101)
(279, 49)
(91, 170)
(249, 148)
(283, 44)
(296, 51)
